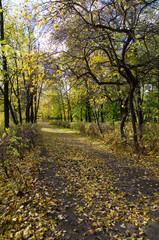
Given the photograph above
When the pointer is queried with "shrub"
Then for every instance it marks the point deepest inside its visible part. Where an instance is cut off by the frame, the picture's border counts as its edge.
(64, 124)
(14, 143)
(75, 125)
(107, 128)
(82, 128)
(150, 137)
(93, 131)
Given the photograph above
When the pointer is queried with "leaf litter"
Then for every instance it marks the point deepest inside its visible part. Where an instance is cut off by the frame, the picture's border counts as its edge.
(76, 190)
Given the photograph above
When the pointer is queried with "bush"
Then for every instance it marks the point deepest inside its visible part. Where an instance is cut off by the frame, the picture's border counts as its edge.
(75, 125)
(64, 124)
(82, 128)
(150, 137)
(93, 131)
(14, 143)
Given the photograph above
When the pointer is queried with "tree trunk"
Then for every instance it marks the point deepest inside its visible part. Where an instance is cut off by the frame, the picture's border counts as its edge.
(81, 114)
(124, 114)
(37, 101)
(15, 120)
(97, 119)
(20, 111)
(6, 102)
(133, 117)
(69, 109)
(88, 110)
(63, 106)
(158, 98)
(101, 113)
(32, 108)
(27, 113)
(139, 111)
(18, 92)
(35, 108)
(5, 71)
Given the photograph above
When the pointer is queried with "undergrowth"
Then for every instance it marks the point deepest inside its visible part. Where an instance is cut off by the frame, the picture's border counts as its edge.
(15, 142)
(149, 141)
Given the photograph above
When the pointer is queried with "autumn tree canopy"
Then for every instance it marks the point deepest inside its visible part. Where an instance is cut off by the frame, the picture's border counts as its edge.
(95, 53)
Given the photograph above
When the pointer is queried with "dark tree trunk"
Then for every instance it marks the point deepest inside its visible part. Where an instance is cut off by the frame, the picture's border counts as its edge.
(5, 70)
(15, 120)
(28, 106)
(133, 117)
(81, 114)
(32, 108)
(101, 113)
(158, 98)
(139, 111)
(97, 119)
(20, 111)
(35, 108)
(86, 117)
(6, 102)
(124, 114)
(88, 107)
(88, 110)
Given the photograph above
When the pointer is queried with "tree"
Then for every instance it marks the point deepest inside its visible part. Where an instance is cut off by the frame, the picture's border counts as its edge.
(5, 89)
(112, 42)
(120, 25)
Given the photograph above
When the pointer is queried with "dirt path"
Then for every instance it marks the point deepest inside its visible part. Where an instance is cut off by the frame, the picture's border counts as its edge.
(95, 195)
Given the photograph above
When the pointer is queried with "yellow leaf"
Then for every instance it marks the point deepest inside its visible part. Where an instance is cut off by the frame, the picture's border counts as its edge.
(59, 71)
(44, 20)
(140, 233)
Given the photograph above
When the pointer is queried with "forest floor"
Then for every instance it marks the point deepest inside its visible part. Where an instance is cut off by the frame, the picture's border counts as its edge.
(96, 195)
(80, 192)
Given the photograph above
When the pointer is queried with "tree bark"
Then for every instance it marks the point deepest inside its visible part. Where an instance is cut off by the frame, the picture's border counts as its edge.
(88, 110)
(27, 112)
(101, 113)
(133, 117)
(63, 106)
(12, 111)
(97, 119)
(69, 109)
(32, 108)
(158, 98)
(5, 71)
(18, 92)
(81, 114)
(139, 111)
(124, 114)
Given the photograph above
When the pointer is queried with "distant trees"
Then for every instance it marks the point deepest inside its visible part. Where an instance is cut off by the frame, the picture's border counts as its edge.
(115, 43)
(21, 71)
(103, 62)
